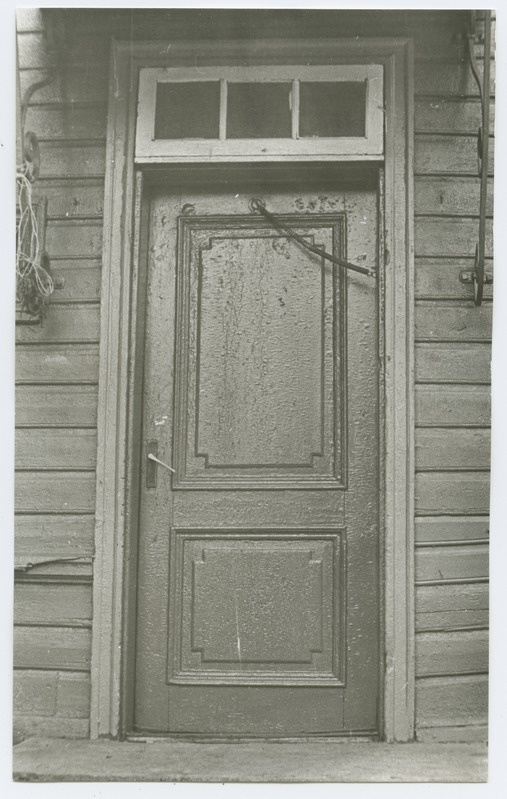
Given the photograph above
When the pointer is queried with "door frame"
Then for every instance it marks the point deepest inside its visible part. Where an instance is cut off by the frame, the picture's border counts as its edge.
(116, 495)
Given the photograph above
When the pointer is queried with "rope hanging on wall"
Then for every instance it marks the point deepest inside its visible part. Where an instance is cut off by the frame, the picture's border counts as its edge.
(34, 283)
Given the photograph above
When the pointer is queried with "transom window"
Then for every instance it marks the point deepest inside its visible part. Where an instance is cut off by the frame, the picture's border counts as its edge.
(260, 113)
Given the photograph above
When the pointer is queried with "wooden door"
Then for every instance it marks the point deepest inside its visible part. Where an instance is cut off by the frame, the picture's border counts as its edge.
(258, 569)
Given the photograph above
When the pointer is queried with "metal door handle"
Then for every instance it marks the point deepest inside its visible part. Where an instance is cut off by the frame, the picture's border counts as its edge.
(153, 461)
(152, 457)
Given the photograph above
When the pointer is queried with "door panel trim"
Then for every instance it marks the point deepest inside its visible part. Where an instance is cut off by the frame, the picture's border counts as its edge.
(194, 466)
(326, 544)
(120, 321)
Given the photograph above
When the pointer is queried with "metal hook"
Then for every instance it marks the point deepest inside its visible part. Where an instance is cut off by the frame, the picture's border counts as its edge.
(256, 203)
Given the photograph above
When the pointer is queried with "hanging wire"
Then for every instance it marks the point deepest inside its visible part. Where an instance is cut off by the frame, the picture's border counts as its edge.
(29, 263)
(34, 284)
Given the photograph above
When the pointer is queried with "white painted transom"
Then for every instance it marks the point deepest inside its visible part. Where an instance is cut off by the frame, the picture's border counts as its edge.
(332, 112)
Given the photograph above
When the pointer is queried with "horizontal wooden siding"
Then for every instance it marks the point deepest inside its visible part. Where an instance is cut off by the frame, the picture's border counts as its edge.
(452, 397)
(56, 402)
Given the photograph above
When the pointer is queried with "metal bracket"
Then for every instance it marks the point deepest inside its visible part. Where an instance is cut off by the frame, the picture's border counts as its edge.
(257, 205)
(468, 277)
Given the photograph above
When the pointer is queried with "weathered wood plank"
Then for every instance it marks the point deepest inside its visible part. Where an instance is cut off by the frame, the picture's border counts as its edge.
(475, 733)
(455, 449)
(64, 695)
(438, 406)
(449, 115)
(71, 238)
(447, 155)
(73, 570)
(438, 493)
(451, 528)
(456, 196)
(464, 562)
(72, 159)
(35, 692)
(449, 701)
(453, 363)
(445, 237)
(71, 86)
(445, 653)
(63, 323)
(450, 607)
(75, 363)
(456, 79)
(40, 538)
(452, 321)
(50, 727)
(81, 278)
(438, 279)
(80, 198)
(60, 648)
(54, 703)
(55, 492)
(71, 121)
(58, 406)
(56, 449)
(62, 605)
(73, 695)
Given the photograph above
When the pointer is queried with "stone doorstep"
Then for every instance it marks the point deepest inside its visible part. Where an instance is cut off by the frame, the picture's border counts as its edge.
(59, 760)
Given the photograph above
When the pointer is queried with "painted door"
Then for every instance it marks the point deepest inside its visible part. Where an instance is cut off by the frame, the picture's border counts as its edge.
(258, 567)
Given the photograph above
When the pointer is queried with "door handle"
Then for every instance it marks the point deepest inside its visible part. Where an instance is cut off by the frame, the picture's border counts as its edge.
(153, 461)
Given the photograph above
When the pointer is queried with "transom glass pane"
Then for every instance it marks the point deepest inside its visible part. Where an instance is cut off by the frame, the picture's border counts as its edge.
(187, 110)
(259, 111)
(329, 109)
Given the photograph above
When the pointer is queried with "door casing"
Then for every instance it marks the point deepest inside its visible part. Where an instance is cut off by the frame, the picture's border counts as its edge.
(118, 443)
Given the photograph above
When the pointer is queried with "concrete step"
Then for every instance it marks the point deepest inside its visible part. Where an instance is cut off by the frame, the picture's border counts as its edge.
(58, 760)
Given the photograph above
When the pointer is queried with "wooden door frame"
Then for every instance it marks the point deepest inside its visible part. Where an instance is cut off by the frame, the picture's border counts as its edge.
(112, 638)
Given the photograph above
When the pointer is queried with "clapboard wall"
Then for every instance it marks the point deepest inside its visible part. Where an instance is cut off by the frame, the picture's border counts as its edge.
(57, 364)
